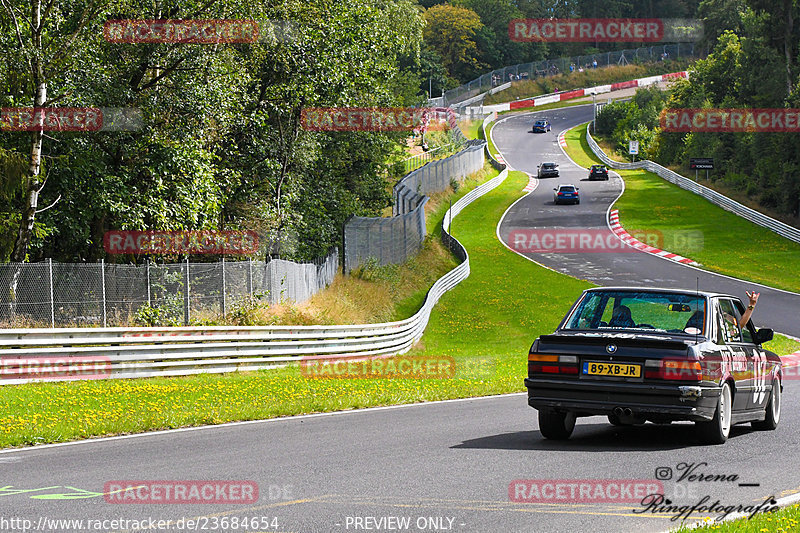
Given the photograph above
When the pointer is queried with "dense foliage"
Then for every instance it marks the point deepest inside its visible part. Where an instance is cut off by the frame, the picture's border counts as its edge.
(751, 66)
(221, 145)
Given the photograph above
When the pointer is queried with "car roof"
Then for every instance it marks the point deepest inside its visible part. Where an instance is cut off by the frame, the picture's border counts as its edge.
(567, 185)
(689, 292)
(541, 120)
(595, 166)
(549, 164)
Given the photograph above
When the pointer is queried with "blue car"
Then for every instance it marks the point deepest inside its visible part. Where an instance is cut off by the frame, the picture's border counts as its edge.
(566, 194)
(541, 126)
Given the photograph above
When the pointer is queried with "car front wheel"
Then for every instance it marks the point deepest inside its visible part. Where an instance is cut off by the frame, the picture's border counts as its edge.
(716, 430)
(555, 425)
(773, 414)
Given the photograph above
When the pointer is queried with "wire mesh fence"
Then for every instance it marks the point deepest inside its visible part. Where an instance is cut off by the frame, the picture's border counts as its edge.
(108, 294)
(394, 239)
(551, 67)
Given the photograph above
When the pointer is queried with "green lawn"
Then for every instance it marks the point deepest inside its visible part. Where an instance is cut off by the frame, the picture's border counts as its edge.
(694, 227)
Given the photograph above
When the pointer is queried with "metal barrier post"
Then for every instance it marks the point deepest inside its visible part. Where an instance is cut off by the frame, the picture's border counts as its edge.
(186, 294)
(103, 283)
(250, 277)
(52, 300)
(224, 310)
(148, 282)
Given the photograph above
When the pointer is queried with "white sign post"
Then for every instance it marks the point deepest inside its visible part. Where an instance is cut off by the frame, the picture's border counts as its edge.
(633, 149)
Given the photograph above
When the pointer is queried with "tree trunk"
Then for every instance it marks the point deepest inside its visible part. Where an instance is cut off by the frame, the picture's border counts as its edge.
(25, 230)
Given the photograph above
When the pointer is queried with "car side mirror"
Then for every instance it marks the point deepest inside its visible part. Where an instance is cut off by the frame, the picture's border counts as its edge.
(555, 188)
(764, 335)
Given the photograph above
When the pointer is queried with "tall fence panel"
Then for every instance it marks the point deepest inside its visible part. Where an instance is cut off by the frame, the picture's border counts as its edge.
(393, 240)
(103, 294)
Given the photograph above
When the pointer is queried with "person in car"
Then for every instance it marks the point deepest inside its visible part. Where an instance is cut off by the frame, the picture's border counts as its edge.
(621, 318)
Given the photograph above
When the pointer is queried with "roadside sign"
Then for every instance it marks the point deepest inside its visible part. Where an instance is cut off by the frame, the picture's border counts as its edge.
(633, 147)
(701, 163)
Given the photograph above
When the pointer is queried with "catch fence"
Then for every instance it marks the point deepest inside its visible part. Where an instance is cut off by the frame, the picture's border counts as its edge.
(105, 294)
(392, 240)
(551, 67)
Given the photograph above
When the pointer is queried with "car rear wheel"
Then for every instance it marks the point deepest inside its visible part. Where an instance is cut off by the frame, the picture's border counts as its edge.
(716, 430)
(770, 422)
(555, 425)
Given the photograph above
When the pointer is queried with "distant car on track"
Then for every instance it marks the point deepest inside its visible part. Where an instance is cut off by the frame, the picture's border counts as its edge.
(541, 126)
(598, 172)
(659, 355)
(566, 193)
(547, 170)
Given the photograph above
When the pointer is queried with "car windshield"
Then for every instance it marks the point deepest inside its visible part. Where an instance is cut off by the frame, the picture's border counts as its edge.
(641, 311)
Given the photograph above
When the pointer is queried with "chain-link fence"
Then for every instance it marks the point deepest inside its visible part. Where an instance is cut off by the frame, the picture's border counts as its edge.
(393, 240)
(551, 67)
(436, 176)
(108, 294)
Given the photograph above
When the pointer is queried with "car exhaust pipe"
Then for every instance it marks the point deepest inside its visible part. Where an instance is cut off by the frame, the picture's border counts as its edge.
(618, 411)
(627, 411)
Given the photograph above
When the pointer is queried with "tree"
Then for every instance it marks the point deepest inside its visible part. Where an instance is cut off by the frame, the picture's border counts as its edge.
(451, 31)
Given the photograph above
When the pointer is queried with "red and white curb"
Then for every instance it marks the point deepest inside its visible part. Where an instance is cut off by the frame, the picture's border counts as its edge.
(579, 93)
(499, 158)
(562, 140)
(531, 184)
(627, 238)
(791, 360)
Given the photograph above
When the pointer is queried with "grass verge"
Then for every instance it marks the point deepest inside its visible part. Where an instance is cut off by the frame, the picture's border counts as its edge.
(781, 521)
(694, 227)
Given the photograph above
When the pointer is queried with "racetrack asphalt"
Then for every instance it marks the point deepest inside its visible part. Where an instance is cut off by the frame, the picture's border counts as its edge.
(524, 150)
(453, 460)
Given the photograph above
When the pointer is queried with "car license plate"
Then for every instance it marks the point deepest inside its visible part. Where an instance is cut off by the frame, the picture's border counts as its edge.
(591, 368)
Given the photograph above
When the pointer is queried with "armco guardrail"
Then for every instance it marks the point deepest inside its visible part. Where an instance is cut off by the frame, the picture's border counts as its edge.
(28, 355)
(784, 230)
(580, 93)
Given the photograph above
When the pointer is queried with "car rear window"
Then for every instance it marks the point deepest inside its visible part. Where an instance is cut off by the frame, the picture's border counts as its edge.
(567, 189)
(549, 165)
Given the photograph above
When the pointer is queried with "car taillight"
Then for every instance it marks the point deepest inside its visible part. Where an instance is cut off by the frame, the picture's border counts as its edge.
(561, 194)
(560, 364)
(674, 369)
